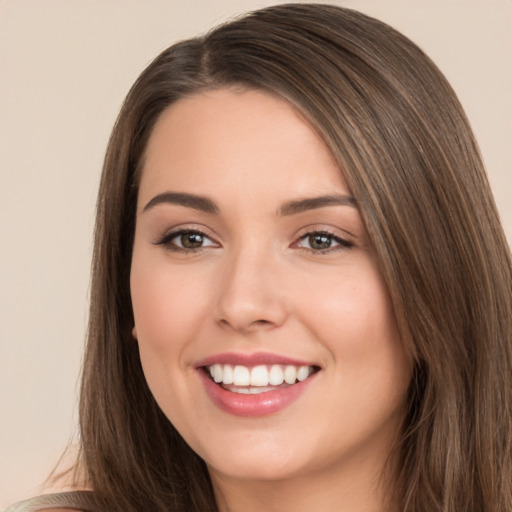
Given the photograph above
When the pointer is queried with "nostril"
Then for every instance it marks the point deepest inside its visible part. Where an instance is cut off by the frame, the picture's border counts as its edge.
(261, 322)
(246, 326)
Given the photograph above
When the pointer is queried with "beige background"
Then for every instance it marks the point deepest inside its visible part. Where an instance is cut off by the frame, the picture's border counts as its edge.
(65, 66)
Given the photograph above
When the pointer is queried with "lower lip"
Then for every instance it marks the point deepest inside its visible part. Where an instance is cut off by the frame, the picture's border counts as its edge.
(261, 404)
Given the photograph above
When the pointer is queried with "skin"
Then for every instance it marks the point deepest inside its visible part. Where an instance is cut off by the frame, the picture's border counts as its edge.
(257, 285)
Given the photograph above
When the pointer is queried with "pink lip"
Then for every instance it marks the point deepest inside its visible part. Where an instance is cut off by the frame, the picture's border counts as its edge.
(255, 359)
(261, 404)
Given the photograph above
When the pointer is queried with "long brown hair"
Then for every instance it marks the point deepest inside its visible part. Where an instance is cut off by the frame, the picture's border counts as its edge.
(406, 150)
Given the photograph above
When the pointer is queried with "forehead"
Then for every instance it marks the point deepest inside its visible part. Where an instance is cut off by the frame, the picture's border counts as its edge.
(246, 139)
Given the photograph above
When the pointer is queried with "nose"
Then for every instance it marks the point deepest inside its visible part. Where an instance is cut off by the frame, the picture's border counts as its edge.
(251, 296)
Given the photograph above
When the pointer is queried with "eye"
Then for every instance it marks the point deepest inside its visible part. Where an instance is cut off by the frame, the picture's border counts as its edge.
(186, 240)
(322, 241)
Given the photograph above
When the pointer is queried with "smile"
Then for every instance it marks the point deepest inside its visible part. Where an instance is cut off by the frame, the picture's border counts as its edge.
(257, 379)
(254, 385)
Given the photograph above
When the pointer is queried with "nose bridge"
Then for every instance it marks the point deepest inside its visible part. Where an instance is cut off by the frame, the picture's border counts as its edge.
(249, 295)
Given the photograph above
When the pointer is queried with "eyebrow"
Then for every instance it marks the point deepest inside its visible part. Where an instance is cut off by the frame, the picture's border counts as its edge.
(302, 205)
(207, 205)
(194, 201)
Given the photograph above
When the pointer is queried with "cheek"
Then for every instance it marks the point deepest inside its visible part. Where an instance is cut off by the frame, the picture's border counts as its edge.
(351, 315)
(168, 307)
(351, 309)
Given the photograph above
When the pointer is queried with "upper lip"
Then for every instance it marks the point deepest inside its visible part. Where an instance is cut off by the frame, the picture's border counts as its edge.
(254, 359)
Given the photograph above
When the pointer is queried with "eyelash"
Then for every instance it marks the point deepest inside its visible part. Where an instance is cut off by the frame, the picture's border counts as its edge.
(167, 239)
(342, 243)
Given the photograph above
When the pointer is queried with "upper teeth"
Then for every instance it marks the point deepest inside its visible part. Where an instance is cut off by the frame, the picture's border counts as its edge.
(261, 375)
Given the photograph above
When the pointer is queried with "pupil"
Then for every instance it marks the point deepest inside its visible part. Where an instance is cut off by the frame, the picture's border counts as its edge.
(320, 241)
(191, 240)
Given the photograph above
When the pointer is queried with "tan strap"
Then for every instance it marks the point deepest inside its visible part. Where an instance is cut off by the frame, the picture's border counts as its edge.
(79, 500)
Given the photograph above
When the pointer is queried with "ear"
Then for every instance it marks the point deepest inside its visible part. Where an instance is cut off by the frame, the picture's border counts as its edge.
(134, 332)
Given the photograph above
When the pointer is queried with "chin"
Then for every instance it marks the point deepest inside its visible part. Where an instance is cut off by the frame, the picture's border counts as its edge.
(247, 458)
(256, 470)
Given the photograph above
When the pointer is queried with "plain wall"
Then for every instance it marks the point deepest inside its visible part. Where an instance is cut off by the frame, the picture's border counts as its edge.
(65, 66)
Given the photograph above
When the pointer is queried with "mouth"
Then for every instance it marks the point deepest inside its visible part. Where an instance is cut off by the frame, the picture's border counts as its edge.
(257, 384)
(252, 380)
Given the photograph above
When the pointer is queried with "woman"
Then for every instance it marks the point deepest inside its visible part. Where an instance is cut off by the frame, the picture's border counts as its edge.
(301, 295)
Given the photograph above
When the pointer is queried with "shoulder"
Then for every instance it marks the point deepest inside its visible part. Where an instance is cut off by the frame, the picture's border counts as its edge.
(81, 501)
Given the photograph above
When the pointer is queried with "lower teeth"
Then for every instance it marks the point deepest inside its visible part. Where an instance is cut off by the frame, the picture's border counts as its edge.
(252, 390)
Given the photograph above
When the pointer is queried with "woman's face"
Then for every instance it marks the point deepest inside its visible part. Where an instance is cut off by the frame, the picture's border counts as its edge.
(251, 263)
